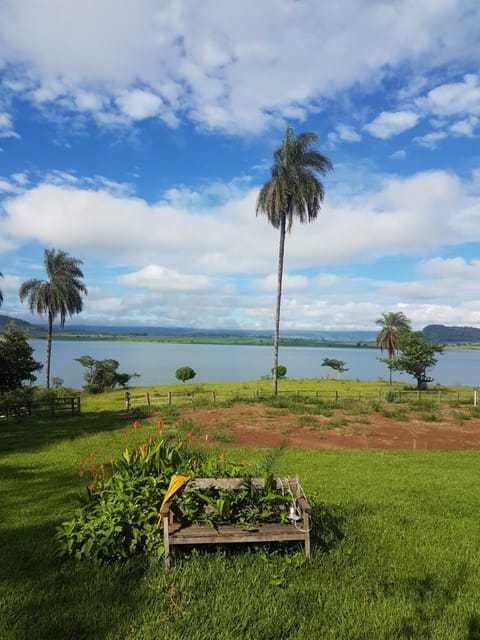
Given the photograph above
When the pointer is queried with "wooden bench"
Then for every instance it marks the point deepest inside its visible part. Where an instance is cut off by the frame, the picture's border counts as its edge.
(176, 533)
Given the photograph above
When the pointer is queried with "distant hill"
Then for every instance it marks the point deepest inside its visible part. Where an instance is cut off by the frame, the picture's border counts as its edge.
(20, 324)
(450, 335)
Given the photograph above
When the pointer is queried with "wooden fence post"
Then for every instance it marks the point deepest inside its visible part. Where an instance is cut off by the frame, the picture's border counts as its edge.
(147, 399)
(127, 401)
(169, 396)
(214, 397)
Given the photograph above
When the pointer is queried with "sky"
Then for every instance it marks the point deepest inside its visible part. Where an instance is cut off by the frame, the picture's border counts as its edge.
(135, 135)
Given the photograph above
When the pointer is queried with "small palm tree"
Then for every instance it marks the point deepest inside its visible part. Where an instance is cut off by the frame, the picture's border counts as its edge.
(394, 324)
(58, 296)
(293, 191)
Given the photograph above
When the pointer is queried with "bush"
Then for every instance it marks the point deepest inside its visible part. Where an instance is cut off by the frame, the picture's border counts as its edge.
(185, 373)
(119, 517)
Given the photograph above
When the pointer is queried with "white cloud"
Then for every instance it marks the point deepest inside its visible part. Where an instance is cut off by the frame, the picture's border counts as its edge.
(455, 98)
(389, 124)
(289, 283)
(139, 104)
(457, 268)
(344, 133)
(399, 155)
(430, 140)
(465, 127)
(6, 126)
(159, 278)
(403, 217)
(238, 68)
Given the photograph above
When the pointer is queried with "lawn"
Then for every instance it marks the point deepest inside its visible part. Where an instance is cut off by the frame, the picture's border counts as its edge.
(396, 550)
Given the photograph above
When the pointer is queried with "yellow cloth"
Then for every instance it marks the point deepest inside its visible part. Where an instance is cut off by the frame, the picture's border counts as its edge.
(176, 483)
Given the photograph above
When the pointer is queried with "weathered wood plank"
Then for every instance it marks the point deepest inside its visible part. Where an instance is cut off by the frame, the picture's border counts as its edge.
(232, 534)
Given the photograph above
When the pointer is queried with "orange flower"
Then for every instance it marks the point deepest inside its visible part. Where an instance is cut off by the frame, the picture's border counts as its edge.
(91, 456)
(80, 473)
(91, 488)
(136, 424)
(145, 447)
(159, 425)
(189, 436)
(221, 457)
(82, 461)
(125, 433)
(102, 467)
(94, 468)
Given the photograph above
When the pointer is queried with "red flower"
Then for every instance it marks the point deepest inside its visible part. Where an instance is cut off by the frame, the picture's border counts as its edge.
(82, 461)
(91, 456)
(221, 457)
(91, 488)
(189, 436)
(125, 433)
(94, 468)
(80, 473)
(159, 425)
(136, 424)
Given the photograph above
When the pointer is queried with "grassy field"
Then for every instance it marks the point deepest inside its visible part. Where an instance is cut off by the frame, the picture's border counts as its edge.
(396, 549)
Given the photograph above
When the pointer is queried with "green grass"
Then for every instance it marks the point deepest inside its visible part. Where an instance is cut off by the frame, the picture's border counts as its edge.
(396, 555)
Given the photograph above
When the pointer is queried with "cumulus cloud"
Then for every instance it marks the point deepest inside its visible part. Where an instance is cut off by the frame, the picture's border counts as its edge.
(226, 67)
(289, 282)
(455, 98)
(159, 278)
(389, 124)
(430, 140)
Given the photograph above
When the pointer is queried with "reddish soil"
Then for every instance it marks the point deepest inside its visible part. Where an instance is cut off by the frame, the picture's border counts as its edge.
(255, 425)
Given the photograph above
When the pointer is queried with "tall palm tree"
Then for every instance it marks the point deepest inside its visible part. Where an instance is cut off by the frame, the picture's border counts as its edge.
(293, 191)
(394, 324)
(58, 296)
(1, 293)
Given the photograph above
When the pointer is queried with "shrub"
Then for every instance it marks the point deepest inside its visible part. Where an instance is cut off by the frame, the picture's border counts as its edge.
(185, 373)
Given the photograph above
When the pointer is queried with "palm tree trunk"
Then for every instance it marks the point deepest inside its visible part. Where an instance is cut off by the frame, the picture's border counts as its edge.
(49, 349)
(281, 253)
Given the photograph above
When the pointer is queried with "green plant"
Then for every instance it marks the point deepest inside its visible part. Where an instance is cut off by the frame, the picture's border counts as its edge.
(17, 365)
(185, 373)
(102, 375)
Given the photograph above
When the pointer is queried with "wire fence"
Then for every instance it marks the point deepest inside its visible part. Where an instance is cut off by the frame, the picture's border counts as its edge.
(169, 398)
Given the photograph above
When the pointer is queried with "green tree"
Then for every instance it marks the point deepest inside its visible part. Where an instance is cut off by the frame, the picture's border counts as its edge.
(293, 191)
(336, 365)
(102, 375)
(393, 324)
(416, 357)
(58, 296)
(17, 364)
(185, 373)
(281, 371)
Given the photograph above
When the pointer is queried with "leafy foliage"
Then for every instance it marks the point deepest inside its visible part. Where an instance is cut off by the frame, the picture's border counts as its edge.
(293, 191)
(119, 518)
(102, 375)
(417, 356)
(336, 365)
(393, 325)
(17, 364)
(281, 371)
(185, 373)
(58, 296)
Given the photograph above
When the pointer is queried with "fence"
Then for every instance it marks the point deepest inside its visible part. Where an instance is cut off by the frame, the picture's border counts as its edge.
(155, 398)
(52, 407)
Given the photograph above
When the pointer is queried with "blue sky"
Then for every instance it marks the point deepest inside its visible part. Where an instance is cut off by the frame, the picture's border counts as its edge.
(135, 135)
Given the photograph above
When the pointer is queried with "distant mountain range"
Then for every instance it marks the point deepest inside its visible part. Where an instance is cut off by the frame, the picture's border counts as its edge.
(432, 332)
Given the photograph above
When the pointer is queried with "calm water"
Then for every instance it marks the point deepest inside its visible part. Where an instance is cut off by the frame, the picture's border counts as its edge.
(156, 363)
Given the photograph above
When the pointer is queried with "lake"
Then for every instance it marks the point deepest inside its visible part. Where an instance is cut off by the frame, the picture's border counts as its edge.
(157, 362)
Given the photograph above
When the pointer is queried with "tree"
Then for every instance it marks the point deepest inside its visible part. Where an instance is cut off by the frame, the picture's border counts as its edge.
(336, 365)
(394, 324)
(58, 296)
(416, 357)
(185, 373)
(102, 375)
(281, 371)
(293, 191)
(1, 293)
(16, 359)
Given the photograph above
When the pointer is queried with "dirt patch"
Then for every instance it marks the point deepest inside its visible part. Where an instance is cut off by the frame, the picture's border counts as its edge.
(256, 425)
